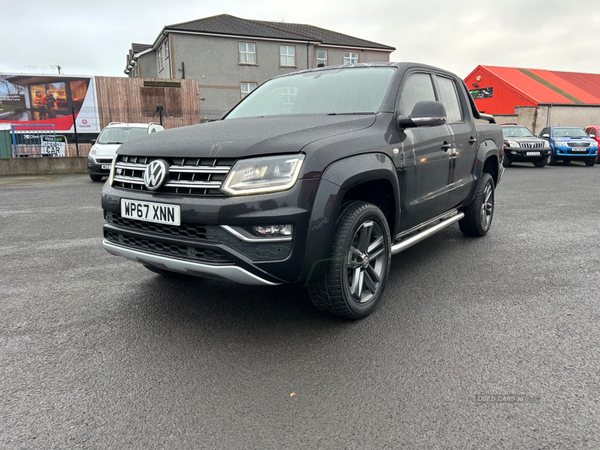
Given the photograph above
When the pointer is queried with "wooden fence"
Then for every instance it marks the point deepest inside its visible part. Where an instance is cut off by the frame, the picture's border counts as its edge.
(84, 149)
(135, 99)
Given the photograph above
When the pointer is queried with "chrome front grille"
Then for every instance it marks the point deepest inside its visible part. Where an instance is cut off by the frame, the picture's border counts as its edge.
(578, 144)
(532, 144)
(188, 176)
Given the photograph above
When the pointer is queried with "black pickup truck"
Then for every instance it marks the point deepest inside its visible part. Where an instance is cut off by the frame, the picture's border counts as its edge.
(316, 177)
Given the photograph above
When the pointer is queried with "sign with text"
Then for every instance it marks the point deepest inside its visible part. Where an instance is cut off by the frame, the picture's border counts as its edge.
(482, 93)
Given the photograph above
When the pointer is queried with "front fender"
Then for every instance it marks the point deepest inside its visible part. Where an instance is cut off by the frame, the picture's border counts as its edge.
(337, 179)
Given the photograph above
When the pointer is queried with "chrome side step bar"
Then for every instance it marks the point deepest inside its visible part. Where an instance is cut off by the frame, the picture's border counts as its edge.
(409, 242)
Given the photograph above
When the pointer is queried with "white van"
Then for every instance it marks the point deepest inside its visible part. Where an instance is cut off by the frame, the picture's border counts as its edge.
(110, 139)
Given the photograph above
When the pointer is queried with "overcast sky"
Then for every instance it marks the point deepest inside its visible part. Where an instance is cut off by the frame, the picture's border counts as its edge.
(92, 38)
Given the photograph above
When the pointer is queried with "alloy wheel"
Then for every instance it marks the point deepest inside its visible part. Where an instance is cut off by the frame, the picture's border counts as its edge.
(366, 261)
(487, 206)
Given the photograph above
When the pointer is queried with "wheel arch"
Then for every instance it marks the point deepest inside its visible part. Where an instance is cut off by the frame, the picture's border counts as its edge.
(369, 177)
(488, 161)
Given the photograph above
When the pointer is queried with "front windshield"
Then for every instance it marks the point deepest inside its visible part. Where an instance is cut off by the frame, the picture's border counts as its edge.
(568, 132)
(120, 135)
(516, 132)
(338, 91)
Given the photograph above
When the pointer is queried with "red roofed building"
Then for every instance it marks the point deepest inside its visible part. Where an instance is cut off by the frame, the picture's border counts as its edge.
(509, 90)
(498, 90)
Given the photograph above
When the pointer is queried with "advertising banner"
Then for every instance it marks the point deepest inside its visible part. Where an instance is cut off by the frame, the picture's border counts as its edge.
(482, 93)
(49, 100)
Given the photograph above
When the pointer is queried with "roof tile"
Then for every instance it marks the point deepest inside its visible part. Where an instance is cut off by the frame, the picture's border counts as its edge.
(226, 24)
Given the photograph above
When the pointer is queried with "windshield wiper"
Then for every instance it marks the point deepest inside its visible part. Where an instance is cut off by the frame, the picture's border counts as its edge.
(350, 113)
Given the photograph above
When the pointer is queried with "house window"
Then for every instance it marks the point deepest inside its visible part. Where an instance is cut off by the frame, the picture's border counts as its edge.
(350, 58)
(246, 88)
(247, 53)
(160, 60)
(321, 58)
(287, 55)
(166, 48)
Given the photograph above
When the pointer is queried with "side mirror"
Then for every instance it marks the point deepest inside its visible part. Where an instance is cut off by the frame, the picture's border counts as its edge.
(93, 141)
(546, 135)
(424, 114)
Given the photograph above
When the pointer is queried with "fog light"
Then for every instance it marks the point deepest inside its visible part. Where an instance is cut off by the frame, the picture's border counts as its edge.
(273, 230)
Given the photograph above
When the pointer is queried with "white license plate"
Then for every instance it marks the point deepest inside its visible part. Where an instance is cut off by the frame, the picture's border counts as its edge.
(151, 212)
(105, 166)
(584, 150)
(533, 153)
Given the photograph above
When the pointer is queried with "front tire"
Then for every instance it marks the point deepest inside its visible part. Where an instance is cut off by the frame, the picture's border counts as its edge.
(551, 160)
(506, 162)
(479, 214)
(590, 161)
(360, 261)
(540, 163)
(95, 177)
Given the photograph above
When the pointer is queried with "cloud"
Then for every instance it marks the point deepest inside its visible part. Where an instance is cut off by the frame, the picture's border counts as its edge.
(457, 35)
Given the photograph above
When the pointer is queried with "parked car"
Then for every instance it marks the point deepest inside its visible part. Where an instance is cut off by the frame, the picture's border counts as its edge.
(110, 139)
(316, 177)
(594, 133)
(521, 145)
(570, 143)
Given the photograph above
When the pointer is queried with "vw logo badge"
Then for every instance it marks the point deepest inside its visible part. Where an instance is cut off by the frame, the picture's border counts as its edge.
(155, 174)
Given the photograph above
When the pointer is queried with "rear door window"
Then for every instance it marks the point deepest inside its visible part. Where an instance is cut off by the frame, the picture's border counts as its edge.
(449, 98)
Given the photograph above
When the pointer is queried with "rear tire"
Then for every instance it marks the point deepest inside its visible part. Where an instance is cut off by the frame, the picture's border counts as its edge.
(479, 214)
(96, 177)
(357, 271)
(540, 163)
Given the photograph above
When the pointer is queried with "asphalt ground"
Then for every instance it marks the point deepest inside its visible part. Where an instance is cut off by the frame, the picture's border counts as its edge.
(483, 343)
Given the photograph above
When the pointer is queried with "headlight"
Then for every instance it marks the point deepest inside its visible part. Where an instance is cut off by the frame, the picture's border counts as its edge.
(111, 177)
(93, 150)
(260, 175)
(546, 144)
(513, 144)
(561, 143)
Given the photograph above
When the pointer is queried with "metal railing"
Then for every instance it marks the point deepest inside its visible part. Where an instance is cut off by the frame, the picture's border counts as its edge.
(35, 141)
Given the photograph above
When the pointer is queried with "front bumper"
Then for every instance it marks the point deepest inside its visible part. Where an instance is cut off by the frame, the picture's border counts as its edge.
(524, 155)
(99, 166)
(573, 153)
(231, 273)
(204, 245)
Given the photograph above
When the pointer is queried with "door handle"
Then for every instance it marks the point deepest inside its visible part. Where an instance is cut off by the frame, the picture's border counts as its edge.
(472, 140)
(446, 146)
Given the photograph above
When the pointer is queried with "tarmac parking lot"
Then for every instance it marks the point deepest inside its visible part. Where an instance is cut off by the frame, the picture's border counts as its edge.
(478, 343)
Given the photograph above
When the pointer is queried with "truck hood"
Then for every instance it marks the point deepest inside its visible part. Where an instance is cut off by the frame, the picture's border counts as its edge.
(578, 138)
(240, 138)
